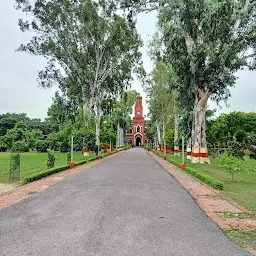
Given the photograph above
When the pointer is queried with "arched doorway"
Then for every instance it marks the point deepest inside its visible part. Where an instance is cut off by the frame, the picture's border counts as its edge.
(138, 141)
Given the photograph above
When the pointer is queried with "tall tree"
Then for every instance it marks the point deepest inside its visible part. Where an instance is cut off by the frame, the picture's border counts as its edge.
(206, 42)
(91, 50)
(161, 98)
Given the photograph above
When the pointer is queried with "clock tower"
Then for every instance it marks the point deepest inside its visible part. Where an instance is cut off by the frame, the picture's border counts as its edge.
(138, 108)
(136, 135)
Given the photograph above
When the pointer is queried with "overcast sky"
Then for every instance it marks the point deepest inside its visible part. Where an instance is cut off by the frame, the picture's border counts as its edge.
(19, 91)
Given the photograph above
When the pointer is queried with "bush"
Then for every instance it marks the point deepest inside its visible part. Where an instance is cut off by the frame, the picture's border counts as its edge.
(230, 163)
(14, 167)
(3, 148)
(19, 146)
(50, 159)
(201, 176)
(127, 147)
(146, 147)
(205, 178)
(45, 173)
(81, 162)
(42, 145)
(177, 164)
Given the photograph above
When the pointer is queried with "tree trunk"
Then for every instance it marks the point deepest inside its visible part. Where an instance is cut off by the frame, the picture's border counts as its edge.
(118, 136)
(189, 157)
(163, 131)
(158, 132)
(97, 124)
(199, 147)
(176, 135)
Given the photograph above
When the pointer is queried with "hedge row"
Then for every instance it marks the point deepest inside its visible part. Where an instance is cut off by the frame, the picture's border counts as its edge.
(201, 176)
(45, 173)
(205, 178)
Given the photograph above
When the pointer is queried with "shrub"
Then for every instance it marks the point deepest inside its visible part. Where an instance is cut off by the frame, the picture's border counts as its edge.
(42, 145)
(45, 173)
(14, 167)
(146, 147)
(127, 147)
(3, 148)
(205, 178)
(230, 163)
(177, 164)
(81, 162)
(201, 176)
(19, 146)
(50, 159)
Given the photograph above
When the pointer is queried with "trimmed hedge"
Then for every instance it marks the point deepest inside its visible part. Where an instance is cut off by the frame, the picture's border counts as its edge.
(45, 173)
(201, 176)
(205, 178)
(81, 162)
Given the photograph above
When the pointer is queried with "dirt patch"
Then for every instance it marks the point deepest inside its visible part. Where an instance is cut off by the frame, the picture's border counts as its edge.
(5, 188)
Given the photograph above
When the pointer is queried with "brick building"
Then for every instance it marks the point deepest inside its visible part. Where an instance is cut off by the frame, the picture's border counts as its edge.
(136, 134)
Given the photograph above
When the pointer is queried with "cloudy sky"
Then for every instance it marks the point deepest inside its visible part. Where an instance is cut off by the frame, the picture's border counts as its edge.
(19, 91)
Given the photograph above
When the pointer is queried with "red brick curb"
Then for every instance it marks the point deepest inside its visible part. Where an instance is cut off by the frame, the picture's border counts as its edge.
(209, 200)
(21, 193)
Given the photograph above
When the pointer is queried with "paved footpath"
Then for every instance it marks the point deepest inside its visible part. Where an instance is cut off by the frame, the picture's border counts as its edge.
(126, 205)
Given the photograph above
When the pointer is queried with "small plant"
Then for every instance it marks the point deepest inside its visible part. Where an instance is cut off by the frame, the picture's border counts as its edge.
(230, 163)
(14, 167)
(50, 159)
(68, 157)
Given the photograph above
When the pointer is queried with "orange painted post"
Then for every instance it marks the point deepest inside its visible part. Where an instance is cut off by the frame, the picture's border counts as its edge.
(71, 165)
(105, 148)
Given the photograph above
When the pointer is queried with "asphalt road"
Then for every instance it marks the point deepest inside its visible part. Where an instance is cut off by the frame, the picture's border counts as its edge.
(126, 205)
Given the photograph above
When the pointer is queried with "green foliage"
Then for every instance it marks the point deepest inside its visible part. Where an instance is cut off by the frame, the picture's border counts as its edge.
(127, 147)
(21, 125)
(32, 137)
(230, 163)
(205, 178)
(42, 145)
(201, 176)
(45, 173)
(54, 141)
(169, 136)
(6, 124)
(19, 146)
(226, 126)
(50, 159)
(3, 148)
(146, 147)
(83, 162)
(14, 167)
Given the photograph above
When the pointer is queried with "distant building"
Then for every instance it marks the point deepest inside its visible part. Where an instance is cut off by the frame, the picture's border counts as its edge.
(136, 134)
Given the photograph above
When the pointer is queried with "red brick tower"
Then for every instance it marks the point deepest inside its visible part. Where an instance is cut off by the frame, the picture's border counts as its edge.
(136, 135)
(139, 136)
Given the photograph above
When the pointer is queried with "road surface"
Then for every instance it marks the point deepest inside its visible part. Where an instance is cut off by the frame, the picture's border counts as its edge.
(126, 205)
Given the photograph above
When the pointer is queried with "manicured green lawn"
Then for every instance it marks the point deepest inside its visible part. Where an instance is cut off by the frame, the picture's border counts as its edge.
(33, 162)
(242, 190)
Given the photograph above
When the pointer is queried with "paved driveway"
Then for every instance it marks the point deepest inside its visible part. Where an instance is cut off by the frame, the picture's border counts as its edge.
(127, 205)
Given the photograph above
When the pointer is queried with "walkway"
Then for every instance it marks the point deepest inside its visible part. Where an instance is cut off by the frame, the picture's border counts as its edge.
(126, 205)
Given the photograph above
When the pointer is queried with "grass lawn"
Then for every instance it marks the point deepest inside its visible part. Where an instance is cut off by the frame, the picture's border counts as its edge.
(33, 162)
(242, 190)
